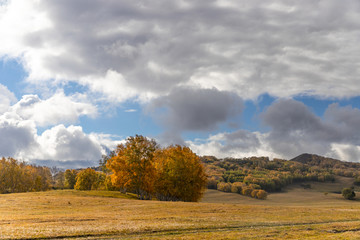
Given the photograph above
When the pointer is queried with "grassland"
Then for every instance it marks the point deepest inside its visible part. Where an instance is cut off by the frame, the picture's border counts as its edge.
(296, 213)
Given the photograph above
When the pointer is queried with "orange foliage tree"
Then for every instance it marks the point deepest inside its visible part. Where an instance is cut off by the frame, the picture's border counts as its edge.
(133, 166)
(180, 175)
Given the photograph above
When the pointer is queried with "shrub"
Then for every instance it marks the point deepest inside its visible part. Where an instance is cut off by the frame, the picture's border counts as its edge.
(348, 193)
(246, 191)
(224, 187)
(254, 193)
(261, 194)
(236, 187)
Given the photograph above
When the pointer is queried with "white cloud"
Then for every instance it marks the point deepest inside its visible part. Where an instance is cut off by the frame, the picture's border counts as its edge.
(6, 99)
(54, 110)
(16, 136)
(346, 152)
(236, 144)
(112, 85)
(130, 110)
(19, 139)
(66, 144)
(19, 123)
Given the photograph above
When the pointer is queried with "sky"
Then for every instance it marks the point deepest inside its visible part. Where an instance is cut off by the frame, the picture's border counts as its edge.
(242, 78)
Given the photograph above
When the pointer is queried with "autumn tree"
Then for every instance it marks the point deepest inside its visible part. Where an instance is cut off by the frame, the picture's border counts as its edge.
(86, 179)
(103, 161)
(180, 175)
(70, 178)
(236, 187)
(133, 166)
(59, 180)
(224, 187)
(18, 176)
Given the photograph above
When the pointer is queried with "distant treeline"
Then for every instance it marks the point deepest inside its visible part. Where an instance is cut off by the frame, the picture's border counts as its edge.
(249, 175)
(16, 176)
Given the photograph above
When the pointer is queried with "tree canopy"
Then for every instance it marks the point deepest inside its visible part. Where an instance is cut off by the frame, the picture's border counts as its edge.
(142, 167)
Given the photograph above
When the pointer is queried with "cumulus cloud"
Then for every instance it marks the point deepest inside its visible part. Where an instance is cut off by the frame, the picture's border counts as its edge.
(16, 136)
(186, 109)
(147, 48)
(67, 143)
(19, 137)
(54, 110)
(54, 146)
(6, 98)
(237, 144)
(295, 129)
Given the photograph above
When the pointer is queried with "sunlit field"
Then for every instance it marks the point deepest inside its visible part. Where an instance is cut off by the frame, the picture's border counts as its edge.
(69, 214)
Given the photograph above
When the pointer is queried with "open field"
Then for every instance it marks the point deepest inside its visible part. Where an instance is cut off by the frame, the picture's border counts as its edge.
(67, 214)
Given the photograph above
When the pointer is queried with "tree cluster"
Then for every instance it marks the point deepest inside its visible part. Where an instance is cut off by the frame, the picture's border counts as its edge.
(270, 176)
(251, 190)
(140, 166)
(16, 176)
(85, 179)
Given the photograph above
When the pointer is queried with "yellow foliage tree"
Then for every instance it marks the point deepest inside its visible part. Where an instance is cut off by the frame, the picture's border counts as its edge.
(17, 176)
(180, 175)
(133, 166)
(86, 180)
(261, 194)
(70, 178)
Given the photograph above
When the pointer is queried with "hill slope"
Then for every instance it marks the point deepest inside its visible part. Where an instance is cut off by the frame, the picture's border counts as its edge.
(323, 162)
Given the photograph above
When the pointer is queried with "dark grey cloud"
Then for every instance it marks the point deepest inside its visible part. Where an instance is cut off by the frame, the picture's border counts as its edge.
(345, 120)
(186, 109)
(240, 141)
(295, 129)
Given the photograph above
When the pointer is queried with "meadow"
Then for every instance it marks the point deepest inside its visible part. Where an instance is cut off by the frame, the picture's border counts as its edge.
(296, 213)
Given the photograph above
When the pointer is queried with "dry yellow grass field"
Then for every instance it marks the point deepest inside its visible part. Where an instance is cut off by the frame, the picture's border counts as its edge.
(68, 214)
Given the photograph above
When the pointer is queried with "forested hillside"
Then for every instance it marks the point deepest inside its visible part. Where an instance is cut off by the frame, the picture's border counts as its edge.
(248, 176)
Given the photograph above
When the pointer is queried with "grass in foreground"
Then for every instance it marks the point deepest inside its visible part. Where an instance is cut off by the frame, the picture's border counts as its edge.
(67, 214)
